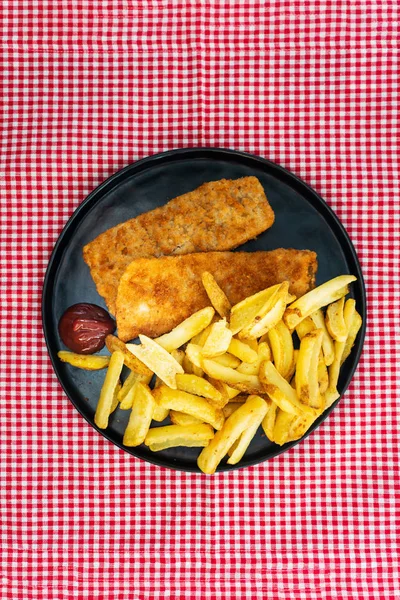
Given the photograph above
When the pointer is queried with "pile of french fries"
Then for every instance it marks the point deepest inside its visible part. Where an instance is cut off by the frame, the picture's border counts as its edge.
(226, 370)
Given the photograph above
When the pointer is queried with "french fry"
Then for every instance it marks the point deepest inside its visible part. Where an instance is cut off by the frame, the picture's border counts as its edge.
(281, 427)
(227, 360)
(200, 338)
(305, 327)
(240, 398)
(242, 351)
(187, 365)
(331, 395)
(218, 340)
(192, 360)
(292, 369)
(230, 408)
(318, 297)
(178, 355)
(198, 386)
(132, 362)
(237, 451)
(158, 382)
(234, 379)
(279, 390)
(159, 413)
(197, 371)
(196, 338)
(334, 320)
(270, 314)
(286, 336)
(128, 383)
(323, 378)
(226, 392)
(127, 399)
(89, 362)
(351, 336)
(244, 313)
(300, 425)
(253, 344)
(281, 343)
(180, 418)
(115, 400)
(265, 323)
(293, 380)
(249, 388)
(307, 385)
(184, 332)
(157, 359)
(222, 389)
(334, 368)
(276, 345)
(249, 368)
(234, 426)
(232, 392)
(191, 405)
(140, 417)
(315, 383)
(327, 342)
(108, 390)
(262, 339)
(268, 423)
(264, 353)
(170, 436)
(193, 352)
(217, 297)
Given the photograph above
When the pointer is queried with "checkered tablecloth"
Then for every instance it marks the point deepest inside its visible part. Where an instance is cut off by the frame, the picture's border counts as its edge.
(90, 86)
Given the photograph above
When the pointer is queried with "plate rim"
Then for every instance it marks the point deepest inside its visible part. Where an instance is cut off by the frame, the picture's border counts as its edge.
(142, 164)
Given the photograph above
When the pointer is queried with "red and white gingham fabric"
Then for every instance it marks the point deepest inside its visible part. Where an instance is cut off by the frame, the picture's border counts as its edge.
(88, 87)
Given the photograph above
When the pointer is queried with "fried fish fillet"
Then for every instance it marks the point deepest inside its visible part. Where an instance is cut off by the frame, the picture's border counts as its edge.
(219, 215)
(155, 294)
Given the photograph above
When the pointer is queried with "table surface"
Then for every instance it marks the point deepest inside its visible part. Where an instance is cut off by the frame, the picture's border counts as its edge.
(90, 87)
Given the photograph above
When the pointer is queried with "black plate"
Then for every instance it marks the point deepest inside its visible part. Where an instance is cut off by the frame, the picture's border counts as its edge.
(303, 221)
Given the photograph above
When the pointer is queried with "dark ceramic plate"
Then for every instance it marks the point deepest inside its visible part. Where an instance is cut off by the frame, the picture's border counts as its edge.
(303, 220)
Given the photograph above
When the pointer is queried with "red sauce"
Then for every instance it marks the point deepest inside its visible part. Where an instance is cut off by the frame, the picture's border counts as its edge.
(83, 327)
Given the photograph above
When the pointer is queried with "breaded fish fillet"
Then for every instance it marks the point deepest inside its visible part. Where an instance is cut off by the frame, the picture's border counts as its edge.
(155, 294)
(219, 215)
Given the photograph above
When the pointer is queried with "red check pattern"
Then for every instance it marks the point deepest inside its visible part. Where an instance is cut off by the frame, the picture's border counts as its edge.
(88, 87)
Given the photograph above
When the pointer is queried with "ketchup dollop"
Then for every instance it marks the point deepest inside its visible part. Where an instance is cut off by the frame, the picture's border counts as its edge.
(83, 327)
